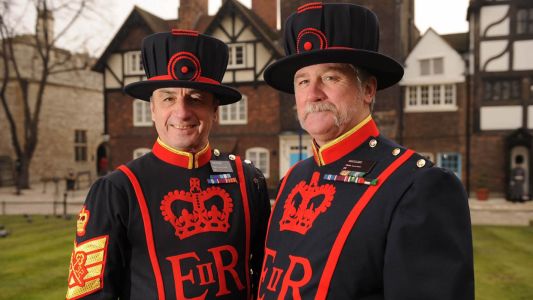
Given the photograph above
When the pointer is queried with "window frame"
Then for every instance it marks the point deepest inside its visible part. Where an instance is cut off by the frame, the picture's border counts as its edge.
(146, 114)
(232, 56)
(428, 66)
(257, 151)
(457, 172)
(417, 105)
(130, 60)
(225, 112)
(80, 145)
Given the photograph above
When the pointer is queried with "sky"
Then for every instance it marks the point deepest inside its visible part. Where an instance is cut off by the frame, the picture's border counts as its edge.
(443, 16)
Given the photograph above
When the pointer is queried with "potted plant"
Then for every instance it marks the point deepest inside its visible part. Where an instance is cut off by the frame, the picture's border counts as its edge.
(482, 192)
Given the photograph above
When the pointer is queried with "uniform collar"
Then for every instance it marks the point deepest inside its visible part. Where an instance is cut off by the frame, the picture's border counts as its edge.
(345, 143)
(181, 158)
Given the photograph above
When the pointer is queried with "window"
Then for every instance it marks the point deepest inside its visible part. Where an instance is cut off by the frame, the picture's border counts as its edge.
(424, 67)
(431, 98)
(501, 90)
(235, 113)
(140, 152)
(432, 66)
(436, 94)
(260, 158)
(424, 97)
(142, 116)
(134, 65)
(524, 21)
(80, 145)
(450, 161)
(236, 56)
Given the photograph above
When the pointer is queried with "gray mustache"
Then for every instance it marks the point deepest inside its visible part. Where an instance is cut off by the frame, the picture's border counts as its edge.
(319, 107)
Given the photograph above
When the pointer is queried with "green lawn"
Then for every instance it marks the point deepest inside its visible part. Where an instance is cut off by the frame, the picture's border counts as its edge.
(34, 260)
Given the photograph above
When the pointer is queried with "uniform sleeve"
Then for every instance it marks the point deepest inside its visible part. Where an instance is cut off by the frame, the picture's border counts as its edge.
(99, 253)
(261, 214)
(429, 242)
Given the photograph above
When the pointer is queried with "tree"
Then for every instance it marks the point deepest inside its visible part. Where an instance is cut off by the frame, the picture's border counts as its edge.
(46, 61)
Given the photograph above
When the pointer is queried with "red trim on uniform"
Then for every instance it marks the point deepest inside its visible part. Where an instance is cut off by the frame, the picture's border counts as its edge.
(184, 32)
(242, 185)
(147, 230)
(347, 145)
(172, 158)
(282, 185)
(204, 157)
(181, 160)
(198, 79)
(349, 223)
(308, 6)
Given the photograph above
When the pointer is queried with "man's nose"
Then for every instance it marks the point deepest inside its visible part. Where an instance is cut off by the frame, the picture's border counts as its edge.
(315, 91)
(181, 109)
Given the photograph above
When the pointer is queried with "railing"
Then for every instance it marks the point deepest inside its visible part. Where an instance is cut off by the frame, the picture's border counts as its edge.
(56, 208)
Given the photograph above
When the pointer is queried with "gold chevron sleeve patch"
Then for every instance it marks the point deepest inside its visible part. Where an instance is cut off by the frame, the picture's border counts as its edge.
(87, 263)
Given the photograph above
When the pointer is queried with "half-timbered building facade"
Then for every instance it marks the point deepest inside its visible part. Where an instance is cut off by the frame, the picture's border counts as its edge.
(501, 88)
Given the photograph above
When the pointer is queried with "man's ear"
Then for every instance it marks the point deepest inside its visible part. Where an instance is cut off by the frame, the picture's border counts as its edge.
(216, 104)
(370, 89)
(152, 108)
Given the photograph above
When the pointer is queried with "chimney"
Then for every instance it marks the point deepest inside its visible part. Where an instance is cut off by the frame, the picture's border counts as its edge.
(190, 11)
(267, 10)
(45, 23)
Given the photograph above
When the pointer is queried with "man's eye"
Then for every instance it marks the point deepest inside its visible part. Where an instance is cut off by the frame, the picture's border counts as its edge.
(196, 96)
(330, 78)
(302, 82)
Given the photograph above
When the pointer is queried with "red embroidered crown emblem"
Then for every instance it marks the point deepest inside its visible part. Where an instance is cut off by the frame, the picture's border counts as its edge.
(200, 218)
(301, 219)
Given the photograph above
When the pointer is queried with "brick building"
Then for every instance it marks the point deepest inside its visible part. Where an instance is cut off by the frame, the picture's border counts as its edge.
(434, 118)
(262, 127)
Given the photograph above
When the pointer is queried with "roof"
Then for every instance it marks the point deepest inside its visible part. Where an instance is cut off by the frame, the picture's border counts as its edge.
(458, 41)
(260, 28)
(154, 23)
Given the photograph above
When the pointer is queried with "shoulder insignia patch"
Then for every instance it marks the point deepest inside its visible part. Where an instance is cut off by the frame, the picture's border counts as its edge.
(83, 219)
(86, 272)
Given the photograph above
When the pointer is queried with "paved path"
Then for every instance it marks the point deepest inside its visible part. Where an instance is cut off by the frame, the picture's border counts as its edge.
(40, 200)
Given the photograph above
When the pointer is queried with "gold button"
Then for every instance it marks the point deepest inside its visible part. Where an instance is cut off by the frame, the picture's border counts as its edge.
(372, 143)
(231, 157)
(247, 161)
(216, 152)
(421, 163)
(396, 151)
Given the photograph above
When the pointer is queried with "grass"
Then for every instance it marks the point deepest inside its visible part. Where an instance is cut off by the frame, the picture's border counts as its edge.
(34, 260)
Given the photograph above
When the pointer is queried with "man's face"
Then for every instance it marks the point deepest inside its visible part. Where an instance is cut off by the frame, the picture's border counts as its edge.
(330, 101)
(183, 117)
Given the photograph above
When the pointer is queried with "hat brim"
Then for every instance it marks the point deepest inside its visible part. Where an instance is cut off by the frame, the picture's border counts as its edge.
(143, 89)
(280, 74)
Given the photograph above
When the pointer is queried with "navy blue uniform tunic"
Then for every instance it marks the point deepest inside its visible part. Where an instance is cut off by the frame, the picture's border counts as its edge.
(398, 228)
(157, 229)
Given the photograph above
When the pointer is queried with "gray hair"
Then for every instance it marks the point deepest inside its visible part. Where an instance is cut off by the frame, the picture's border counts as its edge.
(362, 77)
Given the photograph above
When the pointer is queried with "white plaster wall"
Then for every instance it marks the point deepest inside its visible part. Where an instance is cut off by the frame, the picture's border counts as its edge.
(501, 117)
(431, 45)
(492, 14)
(115, 63)
(490, 49)
(523, 51)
